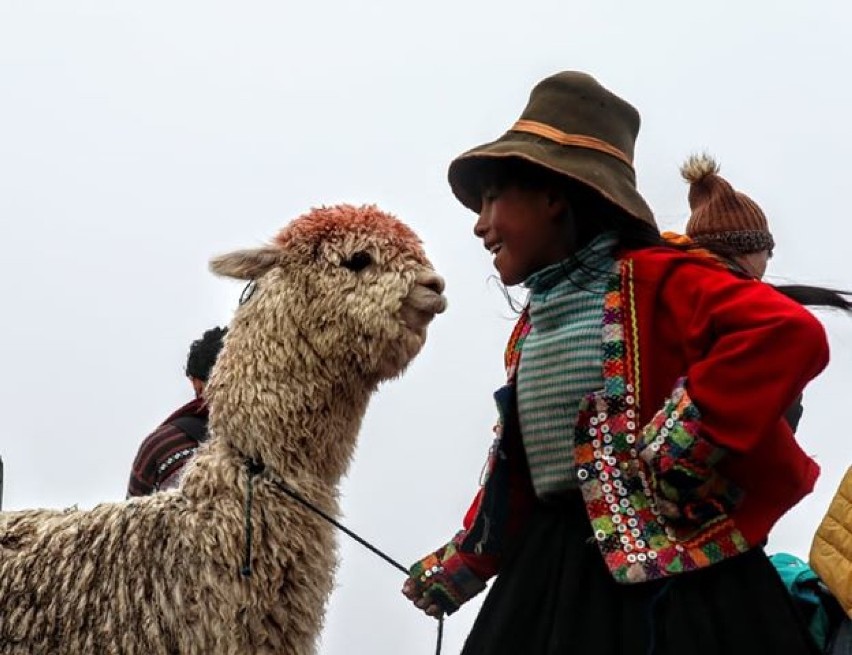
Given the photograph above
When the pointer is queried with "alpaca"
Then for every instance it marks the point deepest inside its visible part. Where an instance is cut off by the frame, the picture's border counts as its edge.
(227, 563)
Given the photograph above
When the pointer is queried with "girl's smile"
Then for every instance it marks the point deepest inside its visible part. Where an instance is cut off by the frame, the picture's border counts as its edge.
(523, 229)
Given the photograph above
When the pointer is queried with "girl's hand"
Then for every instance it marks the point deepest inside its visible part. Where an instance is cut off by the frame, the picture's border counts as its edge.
(441, 582)
(421, 601)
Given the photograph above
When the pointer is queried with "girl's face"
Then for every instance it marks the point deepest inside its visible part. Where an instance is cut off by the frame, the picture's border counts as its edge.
(524, 229)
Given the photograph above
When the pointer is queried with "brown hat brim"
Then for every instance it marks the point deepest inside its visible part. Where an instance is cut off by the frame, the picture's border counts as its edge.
(607, 175)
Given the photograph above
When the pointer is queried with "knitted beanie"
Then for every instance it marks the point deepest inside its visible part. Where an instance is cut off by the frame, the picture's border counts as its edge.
(722, 216)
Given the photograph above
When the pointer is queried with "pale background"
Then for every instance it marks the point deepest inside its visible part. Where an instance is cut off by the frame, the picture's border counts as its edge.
(137, 139)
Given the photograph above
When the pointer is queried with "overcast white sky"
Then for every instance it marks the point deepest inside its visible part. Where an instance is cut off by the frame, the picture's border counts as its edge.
(138, 139)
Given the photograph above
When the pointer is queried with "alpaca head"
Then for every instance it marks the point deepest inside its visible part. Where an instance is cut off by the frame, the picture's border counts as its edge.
(341, 291)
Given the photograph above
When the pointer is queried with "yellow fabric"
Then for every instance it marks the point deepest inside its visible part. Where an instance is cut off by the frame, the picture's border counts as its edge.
(687, 243)
(831, 550)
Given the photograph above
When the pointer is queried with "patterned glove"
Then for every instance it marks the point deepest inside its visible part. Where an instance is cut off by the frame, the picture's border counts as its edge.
(445, 579)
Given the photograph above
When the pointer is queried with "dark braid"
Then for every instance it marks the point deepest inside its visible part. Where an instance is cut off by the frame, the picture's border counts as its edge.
(811, 296)
(804, 294)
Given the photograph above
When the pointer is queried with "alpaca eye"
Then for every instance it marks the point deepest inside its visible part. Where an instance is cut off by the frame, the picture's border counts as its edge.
(358, 261)
(248, 292)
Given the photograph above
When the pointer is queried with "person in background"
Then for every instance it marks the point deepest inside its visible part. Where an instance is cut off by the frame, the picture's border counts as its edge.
(165, 452)
(831, 559)
(729, 226)
(725, 221)
(733, 228)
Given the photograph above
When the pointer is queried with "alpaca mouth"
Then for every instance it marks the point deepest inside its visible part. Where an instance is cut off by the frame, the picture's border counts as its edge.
(425, 300)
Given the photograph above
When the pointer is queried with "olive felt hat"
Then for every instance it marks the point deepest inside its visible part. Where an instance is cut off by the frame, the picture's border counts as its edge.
(572, 126)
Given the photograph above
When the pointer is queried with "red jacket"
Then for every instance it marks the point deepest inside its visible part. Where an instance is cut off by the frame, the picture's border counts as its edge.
(745, 352)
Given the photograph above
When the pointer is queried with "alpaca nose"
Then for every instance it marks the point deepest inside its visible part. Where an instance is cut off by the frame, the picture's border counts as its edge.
(431, 280)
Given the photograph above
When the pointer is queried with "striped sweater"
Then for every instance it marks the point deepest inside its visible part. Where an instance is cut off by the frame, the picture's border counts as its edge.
(561, 359)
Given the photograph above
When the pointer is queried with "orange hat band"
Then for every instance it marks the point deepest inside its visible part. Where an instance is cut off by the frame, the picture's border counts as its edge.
(565, 139)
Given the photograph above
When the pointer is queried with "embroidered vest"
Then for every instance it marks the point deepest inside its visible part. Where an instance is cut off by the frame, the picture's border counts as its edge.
(655, 501)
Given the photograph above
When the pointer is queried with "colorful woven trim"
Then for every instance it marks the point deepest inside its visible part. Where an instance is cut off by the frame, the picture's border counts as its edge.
(662, 513)
(443, 577)
(512, 354)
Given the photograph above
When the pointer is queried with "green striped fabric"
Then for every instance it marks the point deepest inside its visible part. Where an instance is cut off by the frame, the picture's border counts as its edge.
(561, 359)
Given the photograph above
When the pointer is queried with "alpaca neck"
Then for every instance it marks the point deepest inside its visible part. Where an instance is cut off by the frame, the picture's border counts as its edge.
(292, 427)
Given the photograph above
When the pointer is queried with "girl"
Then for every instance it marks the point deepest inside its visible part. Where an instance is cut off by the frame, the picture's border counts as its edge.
(642, 456)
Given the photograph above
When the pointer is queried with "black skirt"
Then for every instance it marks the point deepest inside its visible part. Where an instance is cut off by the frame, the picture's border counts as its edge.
(554, 596)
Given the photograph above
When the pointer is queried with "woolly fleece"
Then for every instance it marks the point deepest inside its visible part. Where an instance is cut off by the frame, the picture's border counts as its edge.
(342, 299)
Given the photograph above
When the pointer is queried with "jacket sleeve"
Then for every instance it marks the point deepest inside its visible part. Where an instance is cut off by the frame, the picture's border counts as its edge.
(144, 468)
(756, 350)
(167, 447)
(449, 576)
(459, 570)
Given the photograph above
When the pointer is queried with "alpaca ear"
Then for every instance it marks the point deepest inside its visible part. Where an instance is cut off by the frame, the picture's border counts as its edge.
(246, 264)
